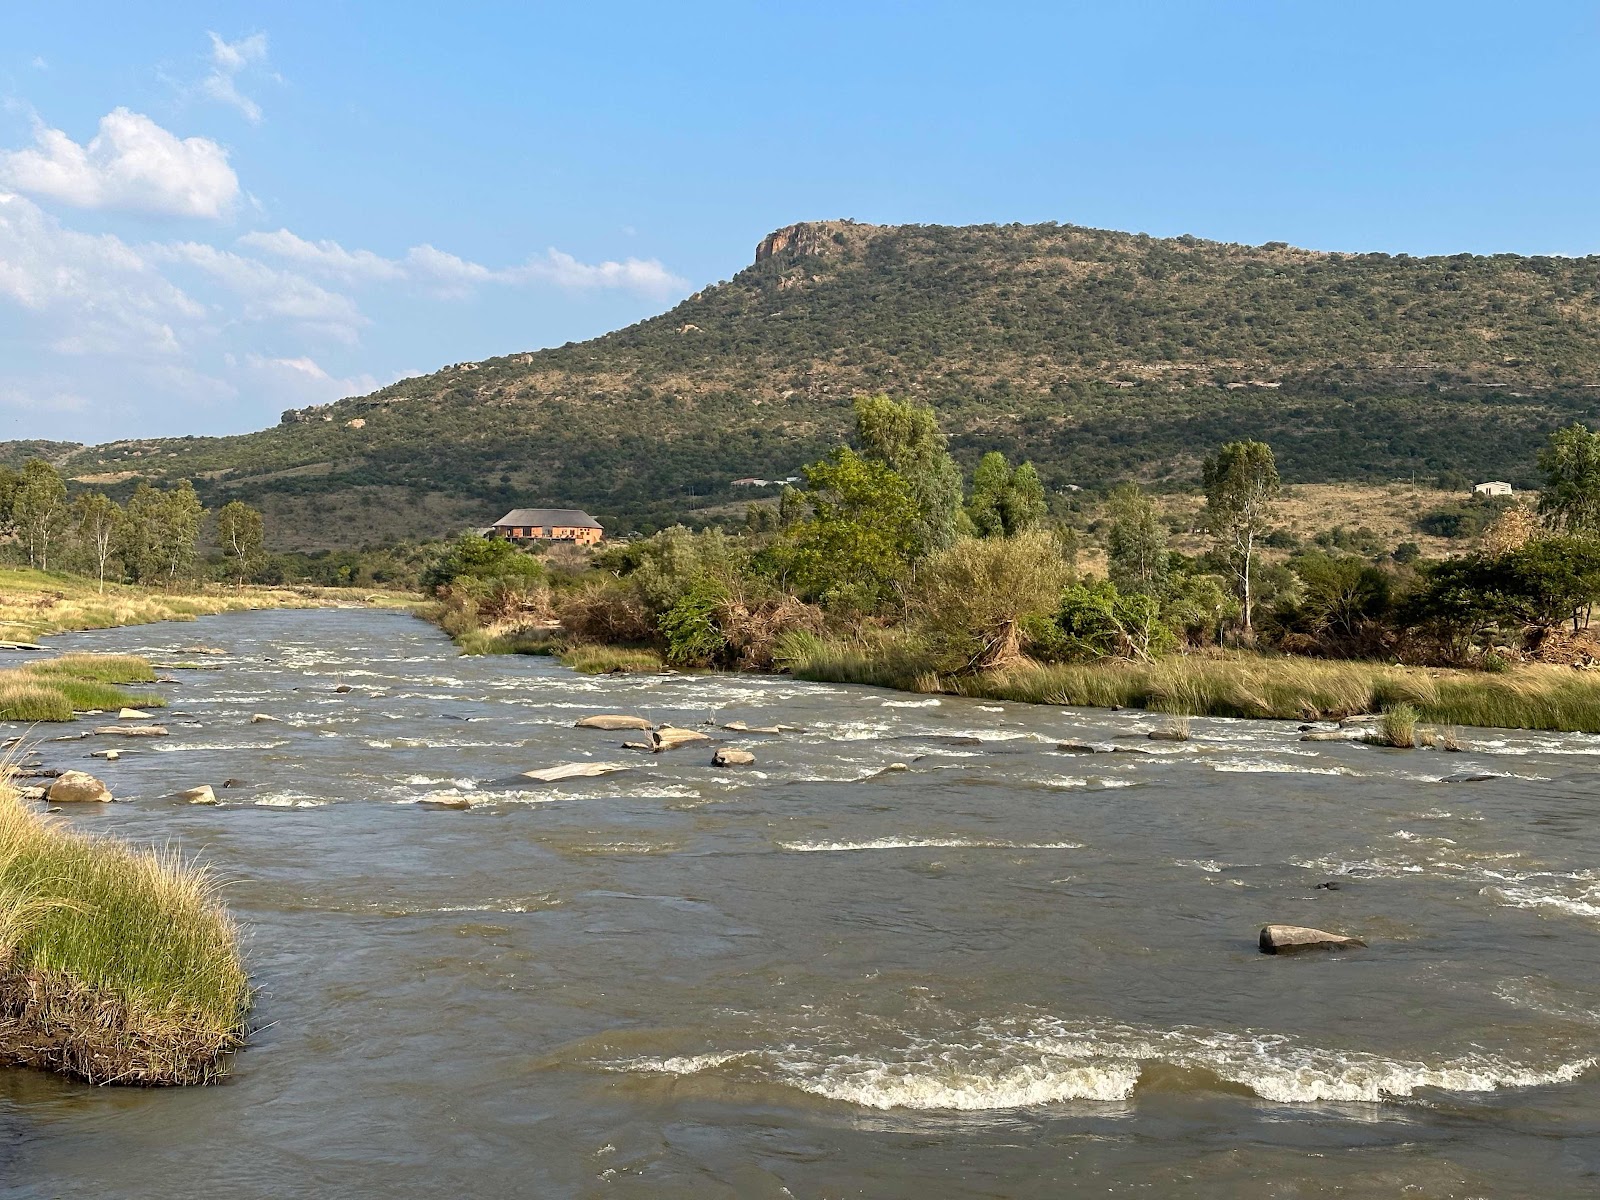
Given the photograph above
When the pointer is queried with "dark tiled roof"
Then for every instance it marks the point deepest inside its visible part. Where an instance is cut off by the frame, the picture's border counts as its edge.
(549, 518)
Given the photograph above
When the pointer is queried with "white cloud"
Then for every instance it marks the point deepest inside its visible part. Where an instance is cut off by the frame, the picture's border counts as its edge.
(39, 63)
(42, 400)
(228, 59)
(269, 293)
(304, 381)
(453, 276)
(131, 163)
(92, 293)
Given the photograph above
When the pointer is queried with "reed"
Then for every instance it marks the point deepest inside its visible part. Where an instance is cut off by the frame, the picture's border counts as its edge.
(1397, 727)
(603, 660)
(54, 688)
(117, 965)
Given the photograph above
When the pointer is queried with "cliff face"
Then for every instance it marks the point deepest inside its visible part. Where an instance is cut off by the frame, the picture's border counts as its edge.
(808, 239)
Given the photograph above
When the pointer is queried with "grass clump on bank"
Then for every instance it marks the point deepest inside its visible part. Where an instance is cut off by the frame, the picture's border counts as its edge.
(1232, 685)
(117, 965)
(54, 688)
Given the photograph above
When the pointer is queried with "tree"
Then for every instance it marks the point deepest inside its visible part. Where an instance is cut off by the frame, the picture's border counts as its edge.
(98, 519)
(1136, 544)
(864, 531)
(8, 497)
(39, 510)
(905, 437)
(160, 531)
(179, 532)
(975, 597)
(1004, 502)
(241, 533)
(1570, 500)
(1241, 483)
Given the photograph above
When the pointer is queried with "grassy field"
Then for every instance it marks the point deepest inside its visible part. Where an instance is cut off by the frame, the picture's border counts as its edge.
(34, 604)
(52, 689)
(117, 964)
(1241, 685)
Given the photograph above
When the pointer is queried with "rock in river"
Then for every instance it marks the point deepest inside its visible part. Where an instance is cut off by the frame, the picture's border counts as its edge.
(133, 730)
(730, 757)
(263, 718)
(1289, 939)
(133, 714)
(198, 795)
(77, 787)
(574, 771)
(612, 721)
(668, 738)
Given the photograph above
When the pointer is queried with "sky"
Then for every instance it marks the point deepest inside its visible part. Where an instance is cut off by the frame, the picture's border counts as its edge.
(210, 213)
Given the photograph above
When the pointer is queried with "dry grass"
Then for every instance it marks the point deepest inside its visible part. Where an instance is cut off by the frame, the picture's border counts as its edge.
(117, 965)
(34, 604)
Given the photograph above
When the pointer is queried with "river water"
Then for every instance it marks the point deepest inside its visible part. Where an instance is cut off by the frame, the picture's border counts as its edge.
(1003, 971)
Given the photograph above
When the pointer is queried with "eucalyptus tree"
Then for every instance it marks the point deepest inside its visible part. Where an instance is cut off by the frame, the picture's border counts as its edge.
(1241, 485)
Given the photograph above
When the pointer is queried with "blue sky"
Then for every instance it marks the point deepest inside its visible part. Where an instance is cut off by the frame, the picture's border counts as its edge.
(210, 213)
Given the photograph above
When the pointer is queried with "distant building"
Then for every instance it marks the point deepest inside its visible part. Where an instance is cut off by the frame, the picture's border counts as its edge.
(548, 525)
(1496, 488)
(752, 482)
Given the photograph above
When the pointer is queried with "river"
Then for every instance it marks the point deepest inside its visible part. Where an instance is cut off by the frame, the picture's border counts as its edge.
(1003, 971)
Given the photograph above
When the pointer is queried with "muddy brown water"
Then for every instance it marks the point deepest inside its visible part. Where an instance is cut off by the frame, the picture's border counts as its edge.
(1005, 971)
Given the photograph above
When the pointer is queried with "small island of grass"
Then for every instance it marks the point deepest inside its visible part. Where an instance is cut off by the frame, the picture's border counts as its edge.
(117, 964)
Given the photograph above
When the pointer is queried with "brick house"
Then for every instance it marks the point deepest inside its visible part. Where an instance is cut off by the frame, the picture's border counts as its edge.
(547, 525)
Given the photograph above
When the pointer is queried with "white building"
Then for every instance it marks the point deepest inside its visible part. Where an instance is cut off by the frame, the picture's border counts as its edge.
(1497, 488)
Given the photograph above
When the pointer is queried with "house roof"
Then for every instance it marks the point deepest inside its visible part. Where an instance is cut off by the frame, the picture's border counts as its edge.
(549, 517)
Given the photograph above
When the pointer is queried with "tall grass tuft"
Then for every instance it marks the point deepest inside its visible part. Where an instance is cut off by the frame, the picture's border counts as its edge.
(1397, 727)
(117, 965)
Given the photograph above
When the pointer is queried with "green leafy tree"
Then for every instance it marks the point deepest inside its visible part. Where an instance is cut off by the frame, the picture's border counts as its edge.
(160, 532)
(181, 513)
(1340, 593)
(98, 518)
(1241, 484)
(1570, 499)
(242, 536)
(1136, 543)
(480, 559)
(905, 437)
(39, 510)
(1094, 620)
(864, 531)
(8, 498)
(1004, 501)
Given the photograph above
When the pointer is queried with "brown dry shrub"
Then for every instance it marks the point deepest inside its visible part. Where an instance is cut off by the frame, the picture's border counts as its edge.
(606, 612)
(752, 628)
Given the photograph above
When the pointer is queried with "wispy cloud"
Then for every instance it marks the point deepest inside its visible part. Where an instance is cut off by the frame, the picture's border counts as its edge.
(131, 164)
(228, 59)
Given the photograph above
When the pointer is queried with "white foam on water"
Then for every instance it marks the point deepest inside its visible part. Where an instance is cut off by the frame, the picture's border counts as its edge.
(177, 747)
(1208, 865)
(289, 800)
(1267, 766)
(931, 702)
(1536, 896)
(905, 843)
(1036, 1062)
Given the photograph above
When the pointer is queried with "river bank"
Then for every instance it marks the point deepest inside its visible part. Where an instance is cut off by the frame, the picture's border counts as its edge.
(35, 604)
(1002, 969)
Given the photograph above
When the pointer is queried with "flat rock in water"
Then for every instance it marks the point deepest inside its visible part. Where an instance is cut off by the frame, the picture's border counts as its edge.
(133, 714)
(108, 755)
(234, 783)
(612, 721)
(1167, 735)
(741, 727)
(445, 800)
(77, 787)
(262, 718)
(1326, 735)
(133, 730)
(1470, 777)
(343, 688)
(1291, 939)
(669, 738)
(198, 795)
(730, 757)
(574, 771)
(891, 769)
(30, 793)
(1086, 748)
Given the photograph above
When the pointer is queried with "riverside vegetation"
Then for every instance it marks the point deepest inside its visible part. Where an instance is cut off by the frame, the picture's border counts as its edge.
(889, 568)
(117, 965)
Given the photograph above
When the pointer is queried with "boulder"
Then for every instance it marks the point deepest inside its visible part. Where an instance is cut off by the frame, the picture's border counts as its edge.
(133, 730)
(133, 714)
(445, 800)
(234, 783)
(1167, 735)
(574, 771)
(730, 757)
(77, 787)
(612, 721)
(108, 755)
(198, 795)
(262, 718)
(343, 688)
(1290, 939)
(30, 793)
(1085, 748)
(669, 738)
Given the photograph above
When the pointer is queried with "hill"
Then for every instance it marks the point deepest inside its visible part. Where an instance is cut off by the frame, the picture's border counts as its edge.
(1099, 355)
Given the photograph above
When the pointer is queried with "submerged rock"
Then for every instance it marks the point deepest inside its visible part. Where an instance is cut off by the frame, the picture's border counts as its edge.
(1470, 777)
(1291, 939)
(198, 795)
(444, 800)
(108, 755)
(1326, 735)
(263, 718)
(78, 787)
(730, 757)
(574, 771)
(612, 721)
(343, 688)
(741, 727)
(1167, 735)
(133, 730)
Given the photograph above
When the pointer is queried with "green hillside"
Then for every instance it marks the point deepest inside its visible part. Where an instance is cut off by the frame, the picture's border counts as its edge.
(1098, 355)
